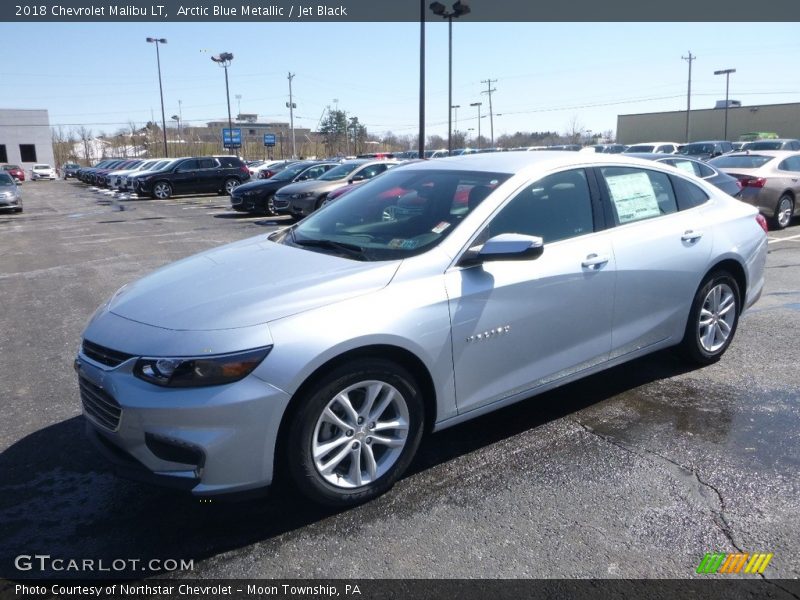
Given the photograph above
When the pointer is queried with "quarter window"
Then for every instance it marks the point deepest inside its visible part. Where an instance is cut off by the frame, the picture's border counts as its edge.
(638, 194)
(555, 208)
(790, 164)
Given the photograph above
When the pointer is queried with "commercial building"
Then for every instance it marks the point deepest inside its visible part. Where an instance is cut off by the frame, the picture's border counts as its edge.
(709, 124)
(25, 137)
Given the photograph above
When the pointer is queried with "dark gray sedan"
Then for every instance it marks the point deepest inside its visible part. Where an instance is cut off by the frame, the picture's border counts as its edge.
(727, 183)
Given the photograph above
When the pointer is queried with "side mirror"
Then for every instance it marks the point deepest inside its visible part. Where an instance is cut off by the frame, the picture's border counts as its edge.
(506, 246)
(357, 178)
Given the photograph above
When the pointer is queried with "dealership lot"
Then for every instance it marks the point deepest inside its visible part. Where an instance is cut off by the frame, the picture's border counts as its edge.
(635, 472)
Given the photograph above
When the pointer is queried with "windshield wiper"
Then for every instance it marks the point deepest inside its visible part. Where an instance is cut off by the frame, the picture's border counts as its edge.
(351, 249)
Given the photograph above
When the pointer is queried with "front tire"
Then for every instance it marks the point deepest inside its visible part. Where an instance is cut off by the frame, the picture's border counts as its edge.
(783, 212)
(712, 320)
(355, 432)
(162, 190)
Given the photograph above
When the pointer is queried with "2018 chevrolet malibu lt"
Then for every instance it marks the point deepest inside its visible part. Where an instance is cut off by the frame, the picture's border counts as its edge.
(322, 352)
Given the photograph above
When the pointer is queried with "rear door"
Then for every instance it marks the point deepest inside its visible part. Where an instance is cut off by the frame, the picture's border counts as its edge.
(660, 251)
(210, 175)
(184, 176)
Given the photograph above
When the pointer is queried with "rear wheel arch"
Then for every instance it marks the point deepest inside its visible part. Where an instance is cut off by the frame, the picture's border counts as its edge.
(401, 356)
(736, 270)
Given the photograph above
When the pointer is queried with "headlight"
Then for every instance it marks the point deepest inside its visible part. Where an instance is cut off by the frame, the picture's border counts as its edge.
(201, 370)
(302, 195)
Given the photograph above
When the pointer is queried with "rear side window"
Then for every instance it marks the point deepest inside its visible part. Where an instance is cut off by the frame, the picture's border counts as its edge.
(230, 161)
(555, 208)
(638, 194)
(790, 164)
(688, 194)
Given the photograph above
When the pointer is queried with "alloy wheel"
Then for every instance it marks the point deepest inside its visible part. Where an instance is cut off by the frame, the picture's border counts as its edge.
(717, 317)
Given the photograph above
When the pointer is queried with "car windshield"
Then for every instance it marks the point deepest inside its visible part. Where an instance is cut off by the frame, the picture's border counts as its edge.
(41, 166)
(340, 172)
(641, 148)
(291, 172)
(741, 161)
(10, 167)
(766, 145)
(6, 179)
(399, 214)
(690, 149)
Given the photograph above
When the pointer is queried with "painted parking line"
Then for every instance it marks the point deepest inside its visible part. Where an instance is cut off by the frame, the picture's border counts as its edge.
(786, 239)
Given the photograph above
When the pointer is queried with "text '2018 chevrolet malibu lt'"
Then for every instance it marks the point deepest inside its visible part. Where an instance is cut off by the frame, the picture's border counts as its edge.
(434, 294)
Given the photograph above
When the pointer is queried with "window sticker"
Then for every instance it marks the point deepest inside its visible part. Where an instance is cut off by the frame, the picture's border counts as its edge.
(633, 196)
(685, 165)
(440, 227)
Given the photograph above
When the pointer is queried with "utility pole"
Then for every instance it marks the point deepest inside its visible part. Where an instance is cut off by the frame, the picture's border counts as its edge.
(689, 59)
(489, 90)
(291, 106)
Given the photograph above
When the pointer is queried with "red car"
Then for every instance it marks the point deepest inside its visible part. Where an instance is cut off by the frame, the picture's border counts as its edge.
(15, 171)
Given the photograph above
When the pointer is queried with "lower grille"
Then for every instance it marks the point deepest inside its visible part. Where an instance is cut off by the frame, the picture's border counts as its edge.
(100, 405)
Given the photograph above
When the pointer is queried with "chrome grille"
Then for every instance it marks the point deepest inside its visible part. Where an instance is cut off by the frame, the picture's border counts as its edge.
(104, 355)
(100, 405)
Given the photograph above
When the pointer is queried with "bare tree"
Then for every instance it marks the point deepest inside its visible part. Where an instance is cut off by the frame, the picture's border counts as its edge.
(574, 130)
(85, 136)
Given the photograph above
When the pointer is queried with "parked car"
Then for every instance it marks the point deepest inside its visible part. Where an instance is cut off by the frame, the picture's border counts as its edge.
(268, 168)
(325, 350)
(770, 181)
(10, 194)
(301, 199)
(706, 150)
(779, 144)
(106, 177)
(42, 171)
(256, 196)
(127, 182)
(605, 148)
(15, 171)
(70, 170)
(727, 183)
(652, 148)
(198, 175)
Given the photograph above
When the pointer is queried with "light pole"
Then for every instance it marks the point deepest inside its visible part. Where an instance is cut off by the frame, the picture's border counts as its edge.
(421, 134)
(158, 41)
(727, 73)
(459, 9)
(478, 104)
(177, 119)
(223, 59)
(455, 108)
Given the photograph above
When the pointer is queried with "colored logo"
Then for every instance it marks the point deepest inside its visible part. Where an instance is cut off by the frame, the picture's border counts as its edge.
(743, 562)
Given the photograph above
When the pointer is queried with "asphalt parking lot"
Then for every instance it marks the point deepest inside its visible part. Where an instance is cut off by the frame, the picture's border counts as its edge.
(636, 472)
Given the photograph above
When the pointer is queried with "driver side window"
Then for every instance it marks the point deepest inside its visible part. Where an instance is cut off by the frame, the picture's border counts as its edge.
(557, 207)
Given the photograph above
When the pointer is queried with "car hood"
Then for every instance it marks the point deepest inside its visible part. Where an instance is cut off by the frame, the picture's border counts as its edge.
(259, 185)
(246, 283)
(315, 185)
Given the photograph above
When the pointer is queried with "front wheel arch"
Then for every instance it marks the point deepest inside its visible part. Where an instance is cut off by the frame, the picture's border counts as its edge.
(401, 356)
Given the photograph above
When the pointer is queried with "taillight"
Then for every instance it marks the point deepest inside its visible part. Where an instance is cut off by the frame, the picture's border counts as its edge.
(244, 169)
(756, 182)
(763, 222)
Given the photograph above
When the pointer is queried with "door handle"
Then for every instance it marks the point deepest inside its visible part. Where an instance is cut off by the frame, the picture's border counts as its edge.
(691, 236)
(594, 261)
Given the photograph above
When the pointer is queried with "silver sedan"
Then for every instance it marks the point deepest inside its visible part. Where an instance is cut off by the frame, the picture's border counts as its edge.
(440, 291)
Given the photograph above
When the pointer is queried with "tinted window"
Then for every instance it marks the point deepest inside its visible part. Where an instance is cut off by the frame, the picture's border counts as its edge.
(740, 161)
(688, 194)
(555, 208)
(229, 161)
(638, 194)
(790, 164)
(6, 179)
(207, 163)
(765, 145)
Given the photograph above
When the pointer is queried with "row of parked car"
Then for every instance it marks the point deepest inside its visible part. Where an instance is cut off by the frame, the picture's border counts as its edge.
(38, 172)
(163, 177)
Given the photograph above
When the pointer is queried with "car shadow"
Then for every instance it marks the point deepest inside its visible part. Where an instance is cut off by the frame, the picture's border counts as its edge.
(58, 496)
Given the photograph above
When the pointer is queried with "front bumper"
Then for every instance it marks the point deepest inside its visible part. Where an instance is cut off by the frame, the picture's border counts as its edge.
(209, 440)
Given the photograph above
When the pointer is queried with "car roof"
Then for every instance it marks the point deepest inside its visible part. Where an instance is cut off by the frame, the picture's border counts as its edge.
(515, 161)
(772, 153)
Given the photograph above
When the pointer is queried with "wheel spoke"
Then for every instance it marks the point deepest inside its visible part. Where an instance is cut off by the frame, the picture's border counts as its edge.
(727, 304)
(321, 450)
(384, 404)
(709, 337)
(390, 442)
(369, 460)
(328, 467)
(331, 417)
(394, 424)
(344, 400)
(373, 391)
(355, 465)
(724, 329)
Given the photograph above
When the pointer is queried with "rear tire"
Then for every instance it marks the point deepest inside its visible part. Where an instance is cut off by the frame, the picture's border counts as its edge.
(230, 185)
(783, 212)
(712, 320)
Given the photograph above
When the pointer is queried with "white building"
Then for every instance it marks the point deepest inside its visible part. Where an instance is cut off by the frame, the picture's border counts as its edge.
(25, 137)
